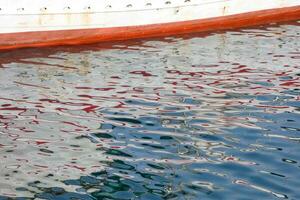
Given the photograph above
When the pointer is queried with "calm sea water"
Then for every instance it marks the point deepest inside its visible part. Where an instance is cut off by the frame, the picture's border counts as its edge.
(196, 117)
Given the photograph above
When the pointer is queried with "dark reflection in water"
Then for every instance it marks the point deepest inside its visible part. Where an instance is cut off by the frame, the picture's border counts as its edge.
(213, 117)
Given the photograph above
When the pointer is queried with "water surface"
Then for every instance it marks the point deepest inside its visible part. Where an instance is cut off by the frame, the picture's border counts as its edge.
(213, 116)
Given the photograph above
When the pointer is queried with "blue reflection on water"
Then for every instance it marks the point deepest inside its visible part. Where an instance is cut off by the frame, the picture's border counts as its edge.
(211, 116)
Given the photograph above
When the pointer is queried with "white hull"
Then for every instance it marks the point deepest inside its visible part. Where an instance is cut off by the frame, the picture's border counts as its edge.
(33, 16)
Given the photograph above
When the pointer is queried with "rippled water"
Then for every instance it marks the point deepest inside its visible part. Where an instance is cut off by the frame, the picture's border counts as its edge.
(204, 116)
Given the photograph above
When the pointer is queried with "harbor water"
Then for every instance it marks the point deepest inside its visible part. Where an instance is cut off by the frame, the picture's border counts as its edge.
(201, 116)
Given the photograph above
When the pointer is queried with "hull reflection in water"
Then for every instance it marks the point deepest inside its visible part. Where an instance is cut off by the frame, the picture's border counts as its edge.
(212, 116)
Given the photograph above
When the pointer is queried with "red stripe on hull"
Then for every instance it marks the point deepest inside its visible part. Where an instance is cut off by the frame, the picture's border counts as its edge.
(85, 36)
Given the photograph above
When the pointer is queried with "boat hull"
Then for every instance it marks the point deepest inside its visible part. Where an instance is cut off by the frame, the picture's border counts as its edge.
(37, 36)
